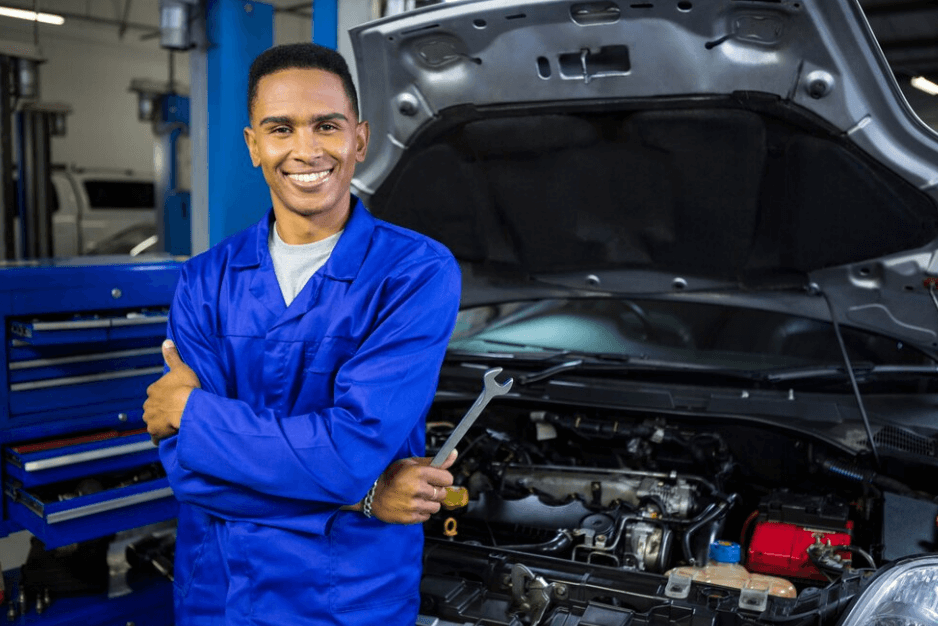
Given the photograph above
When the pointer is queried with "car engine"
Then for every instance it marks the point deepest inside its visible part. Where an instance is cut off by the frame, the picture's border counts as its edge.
(568, 515)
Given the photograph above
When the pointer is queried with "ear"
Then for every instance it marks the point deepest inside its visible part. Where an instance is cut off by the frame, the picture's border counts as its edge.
(251, 142)
(362, 134)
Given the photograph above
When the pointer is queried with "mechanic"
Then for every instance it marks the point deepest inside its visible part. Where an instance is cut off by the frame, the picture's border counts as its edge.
(309, 348)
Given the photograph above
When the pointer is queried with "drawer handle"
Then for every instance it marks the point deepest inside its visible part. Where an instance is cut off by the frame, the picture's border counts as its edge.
(90, 378)
(91, 455)
(138, 321)
(110, 505)
(26, 330)
(83, 358)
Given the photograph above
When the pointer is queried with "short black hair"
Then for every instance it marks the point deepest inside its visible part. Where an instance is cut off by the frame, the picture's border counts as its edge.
(300, 56)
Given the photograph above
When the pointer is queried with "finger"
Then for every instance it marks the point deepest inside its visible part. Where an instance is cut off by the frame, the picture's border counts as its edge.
(437, 477)
(426, 460)
(170, 354)
(449, 460)
(428, 492)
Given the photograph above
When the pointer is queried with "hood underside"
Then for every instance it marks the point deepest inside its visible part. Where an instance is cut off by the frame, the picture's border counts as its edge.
(722, 190)
(657, 147)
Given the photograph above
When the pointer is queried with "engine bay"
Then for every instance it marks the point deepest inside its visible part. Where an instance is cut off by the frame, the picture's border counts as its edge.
(573, 513)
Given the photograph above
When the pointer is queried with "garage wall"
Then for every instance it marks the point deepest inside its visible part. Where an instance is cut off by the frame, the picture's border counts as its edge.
(90, 69)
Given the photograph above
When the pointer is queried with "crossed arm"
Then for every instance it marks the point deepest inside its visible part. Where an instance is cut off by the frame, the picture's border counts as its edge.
(408, 492)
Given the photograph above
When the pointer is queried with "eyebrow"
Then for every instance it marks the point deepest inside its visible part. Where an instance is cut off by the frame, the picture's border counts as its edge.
(284, 119)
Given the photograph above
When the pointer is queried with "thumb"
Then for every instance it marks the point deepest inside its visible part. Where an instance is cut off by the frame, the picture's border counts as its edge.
(449, 460)
(170, 354)
(426, 460)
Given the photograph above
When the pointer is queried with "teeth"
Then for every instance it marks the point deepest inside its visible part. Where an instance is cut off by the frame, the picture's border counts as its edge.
(309, 178)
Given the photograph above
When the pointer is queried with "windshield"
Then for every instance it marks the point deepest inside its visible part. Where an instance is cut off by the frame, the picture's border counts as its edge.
(708, 335)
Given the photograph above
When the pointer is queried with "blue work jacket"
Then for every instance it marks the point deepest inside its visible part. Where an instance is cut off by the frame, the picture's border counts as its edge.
(301, 408)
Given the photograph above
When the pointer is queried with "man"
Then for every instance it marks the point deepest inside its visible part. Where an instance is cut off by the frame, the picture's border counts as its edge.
(308, 353)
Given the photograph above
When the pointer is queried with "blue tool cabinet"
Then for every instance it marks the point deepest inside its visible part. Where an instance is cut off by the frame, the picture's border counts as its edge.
(81, 342)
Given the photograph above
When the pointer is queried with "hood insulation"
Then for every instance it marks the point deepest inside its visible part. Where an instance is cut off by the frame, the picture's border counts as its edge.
(720, 192)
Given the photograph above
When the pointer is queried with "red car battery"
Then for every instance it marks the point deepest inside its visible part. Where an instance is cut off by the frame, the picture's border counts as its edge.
(788, 524)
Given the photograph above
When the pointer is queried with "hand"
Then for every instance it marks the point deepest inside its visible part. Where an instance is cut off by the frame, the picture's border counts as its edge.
(410, 491)
(167, 397)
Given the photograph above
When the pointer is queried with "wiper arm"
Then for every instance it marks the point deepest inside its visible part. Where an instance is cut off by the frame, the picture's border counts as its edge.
(525, 379)
(838, 371)
(620, 363)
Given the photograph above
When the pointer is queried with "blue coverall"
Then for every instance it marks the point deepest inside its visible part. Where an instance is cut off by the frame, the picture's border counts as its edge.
(301, 408)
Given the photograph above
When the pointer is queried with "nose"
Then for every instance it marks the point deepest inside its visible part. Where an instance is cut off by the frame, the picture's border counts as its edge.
(307, 145)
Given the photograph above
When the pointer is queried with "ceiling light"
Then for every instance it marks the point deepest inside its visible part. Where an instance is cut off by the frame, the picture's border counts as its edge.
(920, 82)
(45, 18)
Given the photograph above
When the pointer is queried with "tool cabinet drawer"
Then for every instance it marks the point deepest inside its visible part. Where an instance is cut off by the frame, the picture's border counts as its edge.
(84, 364)
(90, 327)
(83, 393)
(63, 459)
(90, 507)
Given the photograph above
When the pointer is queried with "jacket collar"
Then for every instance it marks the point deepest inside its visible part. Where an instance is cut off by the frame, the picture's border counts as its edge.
(344, 262)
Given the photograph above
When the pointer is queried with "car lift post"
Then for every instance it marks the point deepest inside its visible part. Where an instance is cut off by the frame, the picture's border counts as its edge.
(222, 37)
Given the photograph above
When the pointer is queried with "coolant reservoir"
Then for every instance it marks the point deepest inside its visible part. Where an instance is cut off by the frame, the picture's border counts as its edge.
(724, 570)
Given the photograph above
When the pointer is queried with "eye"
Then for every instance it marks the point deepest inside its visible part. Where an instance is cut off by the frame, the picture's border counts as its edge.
(279, 130)
(328, 127)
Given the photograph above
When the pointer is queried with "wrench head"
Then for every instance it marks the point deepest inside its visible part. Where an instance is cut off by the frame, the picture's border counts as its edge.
(493, 387)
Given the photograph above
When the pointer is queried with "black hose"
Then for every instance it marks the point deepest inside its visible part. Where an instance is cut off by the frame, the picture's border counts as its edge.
(865, 477)
(711, 513)
(556, 545)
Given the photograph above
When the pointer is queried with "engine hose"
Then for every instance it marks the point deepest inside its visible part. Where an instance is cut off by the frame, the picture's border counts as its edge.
(558, 544)
(868, 477)
(845, 472)
(715, 510)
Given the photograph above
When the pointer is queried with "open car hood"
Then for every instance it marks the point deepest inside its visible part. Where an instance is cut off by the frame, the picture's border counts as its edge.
(670, 148)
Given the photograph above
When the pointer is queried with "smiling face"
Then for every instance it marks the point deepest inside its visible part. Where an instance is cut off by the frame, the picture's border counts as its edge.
(306, 138)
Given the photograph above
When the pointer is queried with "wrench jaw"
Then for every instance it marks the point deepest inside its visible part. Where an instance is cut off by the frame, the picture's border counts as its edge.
(491, 388)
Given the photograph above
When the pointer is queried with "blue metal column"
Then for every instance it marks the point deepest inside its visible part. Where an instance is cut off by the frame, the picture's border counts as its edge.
(228, 194)
(326, 23)
(174, 230)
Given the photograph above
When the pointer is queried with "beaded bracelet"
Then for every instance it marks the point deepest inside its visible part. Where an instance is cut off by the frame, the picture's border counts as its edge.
(370, 498)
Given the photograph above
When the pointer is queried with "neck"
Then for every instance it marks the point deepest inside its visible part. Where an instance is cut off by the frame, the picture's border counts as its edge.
(295, 229)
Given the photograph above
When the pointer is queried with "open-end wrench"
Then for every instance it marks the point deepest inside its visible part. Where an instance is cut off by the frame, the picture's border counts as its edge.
(491, 389)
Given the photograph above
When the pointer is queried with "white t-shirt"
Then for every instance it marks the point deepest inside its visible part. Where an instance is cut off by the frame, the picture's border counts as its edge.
(294, 265)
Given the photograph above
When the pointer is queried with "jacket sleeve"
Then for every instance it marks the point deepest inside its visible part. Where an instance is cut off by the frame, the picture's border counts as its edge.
(332, 455)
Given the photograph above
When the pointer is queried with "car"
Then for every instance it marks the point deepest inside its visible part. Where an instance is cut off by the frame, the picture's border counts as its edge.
(92, 205)
(133, 241)
(701, 239)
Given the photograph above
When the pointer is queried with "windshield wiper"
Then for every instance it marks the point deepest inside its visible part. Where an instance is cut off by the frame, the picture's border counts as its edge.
(624, 363)
(838, 371)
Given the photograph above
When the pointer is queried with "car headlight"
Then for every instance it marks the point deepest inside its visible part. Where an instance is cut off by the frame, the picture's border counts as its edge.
(906, 594)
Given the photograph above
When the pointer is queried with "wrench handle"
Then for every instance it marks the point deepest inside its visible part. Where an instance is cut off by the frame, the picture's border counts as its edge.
(460, 431)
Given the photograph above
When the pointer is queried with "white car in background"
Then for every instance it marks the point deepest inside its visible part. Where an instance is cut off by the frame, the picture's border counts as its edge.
(92, 207)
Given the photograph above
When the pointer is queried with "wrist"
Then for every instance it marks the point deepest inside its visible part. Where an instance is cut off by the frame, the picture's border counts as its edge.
(370, 499)
(182, 399)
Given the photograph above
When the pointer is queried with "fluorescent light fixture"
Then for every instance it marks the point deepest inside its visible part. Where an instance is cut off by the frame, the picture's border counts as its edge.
(920, 82)
(45, 18)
